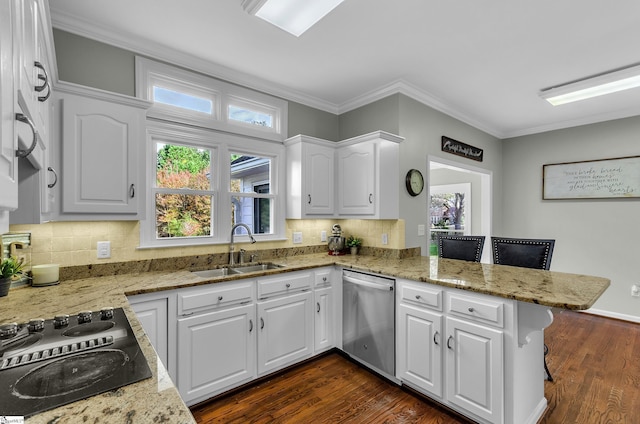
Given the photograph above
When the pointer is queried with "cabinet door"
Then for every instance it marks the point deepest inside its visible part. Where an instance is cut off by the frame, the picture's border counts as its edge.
(475, 369)
(420, 348)
(101, 154)
(318, 180)
(324, 319)
(356, 176)
(27, 42)
(8, 140)
(216, 352)
(285, 331)
(153, 315)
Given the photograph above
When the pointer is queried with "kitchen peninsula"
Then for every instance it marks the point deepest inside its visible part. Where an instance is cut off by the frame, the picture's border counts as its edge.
(157, 400)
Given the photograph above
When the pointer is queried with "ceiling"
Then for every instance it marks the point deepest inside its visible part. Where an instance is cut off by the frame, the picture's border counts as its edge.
(483, 62)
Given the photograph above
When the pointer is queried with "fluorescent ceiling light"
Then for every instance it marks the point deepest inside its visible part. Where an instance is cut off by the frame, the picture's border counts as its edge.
(611, 82)
(293, 16)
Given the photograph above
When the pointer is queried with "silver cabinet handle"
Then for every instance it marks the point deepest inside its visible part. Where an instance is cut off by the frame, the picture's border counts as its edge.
(219, 298)
(55, 177)
(370, 197)
(470, 309)
(324, 279)
(435, 336)
(24, 153)
(318, 304)
(132, 190)
(45, 82)
(417, 297)
(250, 325)
(288, 285)
(309, 201)
(449, 342)
(261, 323)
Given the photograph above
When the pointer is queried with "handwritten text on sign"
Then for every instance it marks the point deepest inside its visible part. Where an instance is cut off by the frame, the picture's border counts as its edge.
(598, 179)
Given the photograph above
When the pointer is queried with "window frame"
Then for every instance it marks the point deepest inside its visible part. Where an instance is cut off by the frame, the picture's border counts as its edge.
(224, 94)
(221, 145)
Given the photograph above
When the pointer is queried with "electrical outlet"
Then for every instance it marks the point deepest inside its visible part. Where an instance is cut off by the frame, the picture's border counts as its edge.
(385, 238)
(104, 249)
(323, 236)
(635, 291)
(297, 237)
(421, 229)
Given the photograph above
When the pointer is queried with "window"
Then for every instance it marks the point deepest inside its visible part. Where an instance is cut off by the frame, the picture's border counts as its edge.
(187, 97)
(250, 182)
(202, 182)
(183, 197)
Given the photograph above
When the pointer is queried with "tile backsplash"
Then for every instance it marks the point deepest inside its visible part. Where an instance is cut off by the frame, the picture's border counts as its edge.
(75, 243)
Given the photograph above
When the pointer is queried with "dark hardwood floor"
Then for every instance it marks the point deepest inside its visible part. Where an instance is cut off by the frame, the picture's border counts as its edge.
(595, 362)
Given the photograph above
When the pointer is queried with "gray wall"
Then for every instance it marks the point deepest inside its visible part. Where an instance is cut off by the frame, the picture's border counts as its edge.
(594, 237)
(309, 121)
(382, 115)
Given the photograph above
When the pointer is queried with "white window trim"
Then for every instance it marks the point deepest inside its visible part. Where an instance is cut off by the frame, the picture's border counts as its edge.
(223, 94)
(221, 145)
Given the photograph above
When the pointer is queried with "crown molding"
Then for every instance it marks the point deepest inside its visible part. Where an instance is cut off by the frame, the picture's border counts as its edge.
(154, 50)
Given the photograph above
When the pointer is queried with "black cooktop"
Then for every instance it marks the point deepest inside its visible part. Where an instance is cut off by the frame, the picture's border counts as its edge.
(48, 363)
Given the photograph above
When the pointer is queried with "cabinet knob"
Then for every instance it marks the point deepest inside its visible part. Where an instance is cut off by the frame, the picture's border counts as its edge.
(470, 309)
(435, 337)
(318, 305)
(288, 285)
(449, 340)
(132, 190)
(418, 297)
(324, 279)
(219, 298)
(261, 323)
(250, 325)
(370, 197)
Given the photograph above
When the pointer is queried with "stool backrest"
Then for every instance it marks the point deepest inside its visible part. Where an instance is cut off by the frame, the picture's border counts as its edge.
(466, 248)
(526, 253)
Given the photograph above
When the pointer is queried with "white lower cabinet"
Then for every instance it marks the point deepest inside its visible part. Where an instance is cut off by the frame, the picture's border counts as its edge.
(216, 352)
(152, 310)
(420, 348)
(324, 319)
(474, 368)
(458, 362)
(285, 332)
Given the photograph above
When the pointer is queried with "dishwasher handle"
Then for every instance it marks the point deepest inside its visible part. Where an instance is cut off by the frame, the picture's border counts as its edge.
(377, 286)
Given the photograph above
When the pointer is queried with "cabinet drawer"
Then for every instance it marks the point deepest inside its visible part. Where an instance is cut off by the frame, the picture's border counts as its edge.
(477, 309)
(322, 278)
(423, 296)
(284, 284)
(214, 296)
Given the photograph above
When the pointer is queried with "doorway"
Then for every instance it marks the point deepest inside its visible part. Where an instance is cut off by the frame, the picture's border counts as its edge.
(464, 193)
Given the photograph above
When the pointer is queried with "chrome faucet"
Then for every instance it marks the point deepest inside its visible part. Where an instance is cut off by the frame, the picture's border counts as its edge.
(231, 248)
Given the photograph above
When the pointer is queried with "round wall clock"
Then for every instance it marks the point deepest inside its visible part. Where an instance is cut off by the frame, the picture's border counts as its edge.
(414, 182)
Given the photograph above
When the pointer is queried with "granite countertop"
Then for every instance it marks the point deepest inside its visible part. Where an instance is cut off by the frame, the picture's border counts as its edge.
(157, 400)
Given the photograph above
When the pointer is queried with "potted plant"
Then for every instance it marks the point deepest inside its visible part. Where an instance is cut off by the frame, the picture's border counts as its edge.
(353, 243)
(9, 268)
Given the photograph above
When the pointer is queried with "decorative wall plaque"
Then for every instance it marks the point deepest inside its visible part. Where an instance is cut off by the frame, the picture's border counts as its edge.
(596, 179)
(459, 148)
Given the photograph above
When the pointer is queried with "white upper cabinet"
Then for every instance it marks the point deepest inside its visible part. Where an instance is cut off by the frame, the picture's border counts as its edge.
(103, 141)
(310, 177)
(354, 178)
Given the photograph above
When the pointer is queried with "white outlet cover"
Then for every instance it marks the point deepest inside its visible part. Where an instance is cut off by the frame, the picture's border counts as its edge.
(385, 238)
(323, 236)
(104, 249)
(297, 237)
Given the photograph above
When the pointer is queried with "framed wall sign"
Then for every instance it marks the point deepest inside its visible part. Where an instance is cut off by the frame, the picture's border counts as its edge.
(596, 179)
(459, 148)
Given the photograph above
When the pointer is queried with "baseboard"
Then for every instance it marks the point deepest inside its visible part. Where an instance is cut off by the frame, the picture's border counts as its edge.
(609, 314)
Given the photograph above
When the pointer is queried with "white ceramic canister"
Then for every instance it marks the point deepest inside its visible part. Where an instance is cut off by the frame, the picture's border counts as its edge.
(45, 275)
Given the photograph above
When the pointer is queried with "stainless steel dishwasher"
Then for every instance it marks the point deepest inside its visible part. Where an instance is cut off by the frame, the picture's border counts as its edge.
(368, 320)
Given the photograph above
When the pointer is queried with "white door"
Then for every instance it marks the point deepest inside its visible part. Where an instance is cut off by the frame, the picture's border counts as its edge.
(285, 331)
(216, 351)
(324, 319)
(8, 145)
(475, 362)
(318, 180)
(356, 179)
(152, 314)
(420, 343)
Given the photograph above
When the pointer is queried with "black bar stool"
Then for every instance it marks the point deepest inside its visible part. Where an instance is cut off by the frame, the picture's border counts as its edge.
(465, 248)
(526, 253)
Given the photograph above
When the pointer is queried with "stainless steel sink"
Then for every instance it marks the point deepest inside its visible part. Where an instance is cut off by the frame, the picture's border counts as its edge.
(238, 269)
(212, 273)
